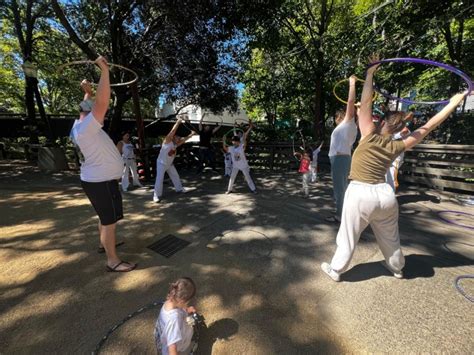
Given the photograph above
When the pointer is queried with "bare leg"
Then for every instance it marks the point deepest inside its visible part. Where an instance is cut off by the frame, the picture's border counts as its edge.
(107, 239)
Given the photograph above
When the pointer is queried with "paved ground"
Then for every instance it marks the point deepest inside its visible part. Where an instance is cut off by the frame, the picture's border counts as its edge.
(255, 260)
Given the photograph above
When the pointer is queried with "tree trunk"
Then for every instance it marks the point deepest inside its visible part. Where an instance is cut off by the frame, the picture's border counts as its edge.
(39, 102)
(319, 108)
(119, 101)
(31, 124)
(138, 115)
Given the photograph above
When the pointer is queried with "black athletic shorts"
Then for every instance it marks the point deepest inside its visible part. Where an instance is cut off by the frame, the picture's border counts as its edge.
(106, 199)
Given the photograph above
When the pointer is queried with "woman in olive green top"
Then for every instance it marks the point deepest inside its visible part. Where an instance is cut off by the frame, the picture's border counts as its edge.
(369, 200)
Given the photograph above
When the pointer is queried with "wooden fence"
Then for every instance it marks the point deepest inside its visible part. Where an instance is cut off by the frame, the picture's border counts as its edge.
(278, 156)
(444, 167)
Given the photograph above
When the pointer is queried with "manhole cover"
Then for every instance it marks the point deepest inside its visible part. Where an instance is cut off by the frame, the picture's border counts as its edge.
(247, 244)
(169, 245)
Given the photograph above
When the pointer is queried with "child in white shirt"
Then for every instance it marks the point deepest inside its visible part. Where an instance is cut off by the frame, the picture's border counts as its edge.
(173, 334)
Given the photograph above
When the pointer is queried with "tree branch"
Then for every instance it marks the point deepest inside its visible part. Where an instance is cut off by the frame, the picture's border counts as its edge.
(91, 54)
(18, 29)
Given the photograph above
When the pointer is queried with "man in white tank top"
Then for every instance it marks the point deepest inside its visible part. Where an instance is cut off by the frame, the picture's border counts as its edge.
(102, 166)
(239, 163)
(164, 162)
(127, 150)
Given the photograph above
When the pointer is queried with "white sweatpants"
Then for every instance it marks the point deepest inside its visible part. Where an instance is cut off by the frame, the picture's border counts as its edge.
(248, 178)
(130, 165)
(161, 169)
(366, 204)
(314, 172)
(306, 180)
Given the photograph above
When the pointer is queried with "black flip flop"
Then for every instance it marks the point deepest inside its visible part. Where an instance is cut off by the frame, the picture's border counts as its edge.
(114, 268)
(101, 250)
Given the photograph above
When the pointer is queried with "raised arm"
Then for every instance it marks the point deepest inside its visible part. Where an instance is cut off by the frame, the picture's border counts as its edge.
(216, 128)
(224, 146)
(101, 103)
(417, 136)
(366, 125)
(247, 132)
(350, 108)
(173, 131)
(185, 139)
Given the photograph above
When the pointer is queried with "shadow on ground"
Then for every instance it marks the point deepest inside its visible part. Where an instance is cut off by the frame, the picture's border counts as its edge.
(255, 260)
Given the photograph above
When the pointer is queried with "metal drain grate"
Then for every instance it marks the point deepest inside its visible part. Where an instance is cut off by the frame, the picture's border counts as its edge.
(169, 245)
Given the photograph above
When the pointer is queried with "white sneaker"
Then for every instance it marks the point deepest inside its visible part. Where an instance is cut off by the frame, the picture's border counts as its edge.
(397, 275)
(228, 192)
(156, 199)
(330, 272)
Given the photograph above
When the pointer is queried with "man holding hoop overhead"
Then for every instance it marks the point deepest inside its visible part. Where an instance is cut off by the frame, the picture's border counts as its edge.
(342, 139)
(102, 166)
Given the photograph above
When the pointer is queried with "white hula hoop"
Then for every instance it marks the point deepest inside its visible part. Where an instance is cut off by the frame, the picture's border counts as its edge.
(79, 62)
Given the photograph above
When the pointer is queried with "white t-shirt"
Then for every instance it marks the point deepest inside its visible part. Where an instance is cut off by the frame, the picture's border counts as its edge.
(171, 328)
(167, 153)
(399, 160)
(239, 160)
(127, 151)
(343, 138)
(102, 160)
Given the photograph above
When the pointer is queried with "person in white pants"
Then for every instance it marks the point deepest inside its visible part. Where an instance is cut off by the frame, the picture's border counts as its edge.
(314, 163)
(164, 162)
(227, 164)
(127, 150)
(369, 200)
(239, 163)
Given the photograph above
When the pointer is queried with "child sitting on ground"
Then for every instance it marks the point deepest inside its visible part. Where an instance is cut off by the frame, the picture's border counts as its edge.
(173, 334)
(304, 169)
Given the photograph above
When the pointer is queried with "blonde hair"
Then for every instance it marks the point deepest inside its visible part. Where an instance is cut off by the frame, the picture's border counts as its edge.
(182, 289)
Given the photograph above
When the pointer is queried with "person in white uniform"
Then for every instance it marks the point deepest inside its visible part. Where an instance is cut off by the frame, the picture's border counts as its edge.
(164, 162)
(369, 200)
(340, 150)
(102, 165)
(239, 163)
(314, 163)
(127, 150)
